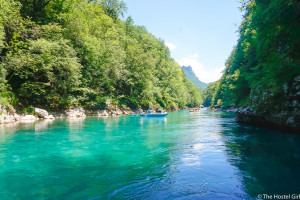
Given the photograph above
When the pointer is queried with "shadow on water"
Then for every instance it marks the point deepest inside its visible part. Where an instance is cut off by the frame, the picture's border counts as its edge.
(268, 159)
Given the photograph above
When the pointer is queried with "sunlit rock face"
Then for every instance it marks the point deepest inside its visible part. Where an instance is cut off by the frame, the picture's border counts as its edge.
(40, 112)
(75, 112)
(8, 114)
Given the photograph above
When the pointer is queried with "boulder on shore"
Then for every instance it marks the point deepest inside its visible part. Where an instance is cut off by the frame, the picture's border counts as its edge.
(75, 112)
(119, 111)
(28, 117)
(7, 119)
(49, 117)
(40, 112)
(102, 113)
(8, 114)
(127, 112)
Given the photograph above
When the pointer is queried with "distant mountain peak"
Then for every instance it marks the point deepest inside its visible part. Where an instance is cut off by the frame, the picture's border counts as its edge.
(187, 67)
(190, 74)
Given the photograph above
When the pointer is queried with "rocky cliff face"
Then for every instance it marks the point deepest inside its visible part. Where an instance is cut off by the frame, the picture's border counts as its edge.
(287, 117)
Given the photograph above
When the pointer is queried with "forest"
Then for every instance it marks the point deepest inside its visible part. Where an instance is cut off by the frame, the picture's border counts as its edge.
(264, 67)
(57, 54)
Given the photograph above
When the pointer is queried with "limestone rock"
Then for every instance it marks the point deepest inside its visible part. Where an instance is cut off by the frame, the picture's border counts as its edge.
(8, 114)
(75, 112)
(49, 117)
(126, 112)
(113, 113)
(119, 112)
(28, 117)
(17, 117)
(40, 112)
(102, 113)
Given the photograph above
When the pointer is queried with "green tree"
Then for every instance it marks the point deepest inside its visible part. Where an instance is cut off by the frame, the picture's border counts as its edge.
(62, 53)
(265, 58)
(42, 11)
(47, 72)
(114, 8)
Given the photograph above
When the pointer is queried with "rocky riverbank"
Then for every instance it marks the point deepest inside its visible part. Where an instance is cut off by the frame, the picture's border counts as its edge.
(220, 108)
(9, 115)
(285, 115)
(287, 120)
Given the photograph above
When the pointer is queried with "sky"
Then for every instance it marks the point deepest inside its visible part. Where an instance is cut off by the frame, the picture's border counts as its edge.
(199, 33)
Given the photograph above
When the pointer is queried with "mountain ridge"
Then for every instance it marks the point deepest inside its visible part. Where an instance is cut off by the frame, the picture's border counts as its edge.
(190, 74)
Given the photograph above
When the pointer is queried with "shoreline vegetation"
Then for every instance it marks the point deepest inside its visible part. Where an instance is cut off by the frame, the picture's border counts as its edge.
(262, 75)
(57, 55)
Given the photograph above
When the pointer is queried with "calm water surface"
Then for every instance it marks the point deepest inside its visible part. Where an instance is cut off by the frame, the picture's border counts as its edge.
(203, 155)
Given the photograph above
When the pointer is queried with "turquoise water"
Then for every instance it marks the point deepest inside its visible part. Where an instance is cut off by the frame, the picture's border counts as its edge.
(200, 155)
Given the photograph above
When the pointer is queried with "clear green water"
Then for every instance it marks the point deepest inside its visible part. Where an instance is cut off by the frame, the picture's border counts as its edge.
(203, 155)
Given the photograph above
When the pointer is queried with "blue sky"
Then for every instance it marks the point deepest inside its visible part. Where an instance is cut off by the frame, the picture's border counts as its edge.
(200, 33)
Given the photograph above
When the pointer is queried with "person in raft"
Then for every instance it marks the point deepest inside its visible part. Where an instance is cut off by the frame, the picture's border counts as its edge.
(149, 111)
(159, 110)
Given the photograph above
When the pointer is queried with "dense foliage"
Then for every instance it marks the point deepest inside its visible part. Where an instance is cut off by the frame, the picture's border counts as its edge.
(61, 53)
(210, 93)
(266, 58)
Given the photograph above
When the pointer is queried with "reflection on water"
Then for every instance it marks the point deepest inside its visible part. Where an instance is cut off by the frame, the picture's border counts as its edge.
(42, 125)
(201, 155)
(152, 120)
(268, 159)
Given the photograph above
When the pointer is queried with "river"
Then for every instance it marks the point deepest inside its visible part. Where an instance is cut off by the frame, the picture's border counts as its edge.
(199, 155)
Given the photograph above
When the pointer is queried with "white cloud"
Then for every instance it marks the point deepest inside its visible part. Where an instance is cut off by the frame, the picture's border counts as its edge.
(194, 56)
(204, 73)
(171, 45)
